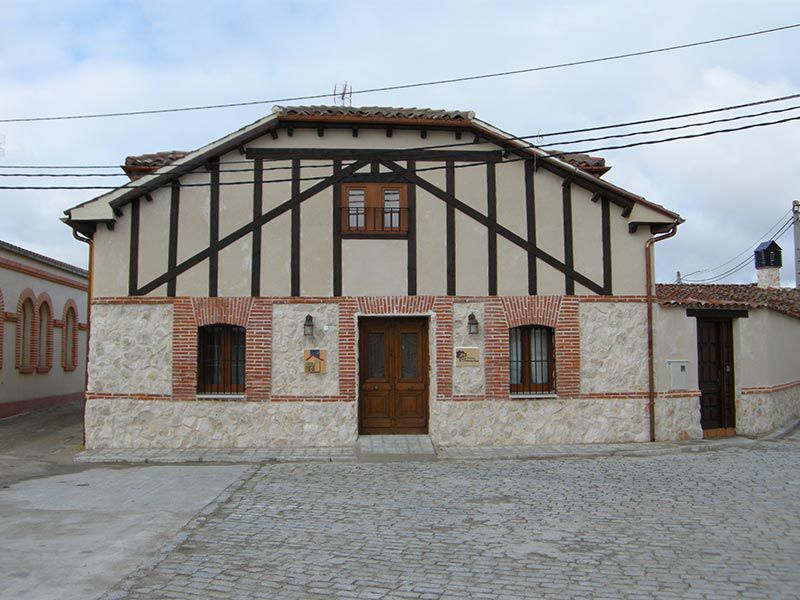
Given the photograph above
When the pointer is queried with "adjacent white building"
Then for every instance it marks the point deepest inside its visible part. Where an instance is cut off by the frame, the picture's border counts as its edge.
(43, 330)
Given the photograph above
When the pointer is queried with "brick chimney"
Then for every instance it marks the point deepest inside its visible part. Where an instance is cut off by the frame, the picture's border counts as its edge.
(768, 264)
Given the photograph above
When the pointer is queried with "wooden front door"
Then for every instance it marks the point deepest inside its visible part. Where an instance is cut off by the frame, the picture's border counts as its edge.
(715, 365)
(393, 367)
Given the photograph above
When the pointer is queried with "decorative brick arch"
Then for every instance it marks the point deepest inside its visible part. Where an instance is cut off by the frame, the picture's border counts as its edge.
(390, 305)
(69, 362)
(25, 296)
(227, 311)
(45, 353)
(532, 310)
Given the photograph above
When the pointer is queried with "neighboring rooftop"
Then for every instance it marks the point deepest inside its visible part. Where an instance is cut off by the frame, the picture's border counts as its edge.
(731, 295)
(44, 259)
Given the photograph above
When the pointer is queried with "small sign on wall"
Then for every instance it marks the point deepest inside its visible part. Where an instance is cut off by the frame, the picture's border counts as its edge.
(468, 357)
(315, 360)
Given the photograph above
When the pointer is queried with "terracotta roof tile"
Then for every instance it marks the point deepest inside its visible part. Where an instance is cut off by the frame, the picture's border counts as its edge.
(782, 300)
(387, 112)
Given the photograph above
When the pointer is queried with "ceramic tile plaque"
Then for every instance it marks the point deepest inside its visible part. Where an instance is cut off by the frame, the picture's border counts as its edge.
(468, 357)
(315, 360)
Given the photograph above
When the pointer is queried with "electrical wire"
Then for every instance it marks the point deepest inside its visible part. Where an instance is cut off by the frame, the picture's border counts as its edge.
(408, 85)
(741, 265)
(749, 248)
(509, 138)
(465, 165)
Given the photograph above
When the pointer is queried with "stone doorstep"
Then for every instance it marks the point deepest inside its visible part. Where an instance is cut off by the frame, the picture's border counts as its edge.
(398, 450)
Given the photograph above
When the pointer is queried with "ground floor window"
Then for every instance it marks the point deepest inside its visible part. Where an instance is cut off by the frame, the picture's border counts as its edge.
(531, 360)
(220, 359)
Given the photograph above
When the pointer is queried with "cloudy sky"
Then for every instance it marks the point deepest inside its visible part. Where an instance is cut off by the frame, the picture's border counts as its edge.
(86, 57)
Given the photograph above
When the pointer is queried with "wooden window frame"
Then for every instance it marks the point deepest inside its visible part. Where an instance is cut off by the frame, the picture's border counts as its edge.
(69, 340)
(527, 387)
(374, 214)
(225, 386)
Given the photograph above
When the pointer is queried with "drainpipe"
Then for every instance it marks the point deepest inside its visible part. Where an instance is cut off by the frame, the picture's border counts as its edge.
(651, 385)
(88, 241)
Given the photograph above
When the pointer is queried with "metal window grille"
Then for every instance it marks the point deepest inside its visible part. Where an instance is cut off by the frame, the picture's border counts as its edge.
(531, 360)
(221, 359)
(386, 219)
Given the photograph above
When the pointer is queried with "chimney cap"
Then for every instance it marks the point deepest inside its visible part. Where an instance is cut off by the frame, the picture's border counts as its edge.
(768, 254)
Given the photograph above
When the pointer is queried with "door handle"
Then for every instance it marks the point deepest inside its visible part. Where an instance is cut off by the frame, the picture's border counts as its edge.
(374, 387)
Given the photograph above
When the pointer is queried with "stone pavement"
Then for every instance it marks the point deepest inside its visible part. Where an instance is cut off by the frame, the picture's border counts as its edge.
(722, 524)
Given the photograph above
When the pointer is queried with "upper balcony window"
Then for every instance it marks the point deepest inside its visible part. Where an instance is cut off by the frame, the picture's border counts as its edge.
(374, 209)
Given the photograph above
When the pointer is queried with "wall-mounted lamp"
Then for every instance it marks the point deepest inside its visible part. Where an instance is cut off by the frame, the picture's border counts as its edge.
(308, 326)
(472, 324)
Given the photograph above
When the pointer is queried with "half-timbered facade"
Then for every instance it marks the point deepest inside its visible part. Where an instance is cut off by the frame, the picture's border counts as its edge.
(327, 272)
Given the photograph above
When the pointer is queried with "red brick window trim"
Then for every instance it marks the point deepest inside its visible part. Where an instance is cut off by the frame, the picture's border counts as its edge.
(44, 320)
(27, 333)
(69, 337)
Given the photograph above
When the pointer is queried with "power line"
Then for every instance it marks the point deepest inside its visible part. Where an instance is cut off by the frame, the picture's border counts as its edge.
(749, 248)
(409, 85)
(672, 128)
(741, 265)
(286, 168)
(473, 164)
(508, 138)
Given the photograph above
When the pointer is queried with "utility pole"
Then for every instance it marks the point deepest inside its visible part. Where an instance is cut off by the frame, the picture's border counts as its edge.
(796, 215)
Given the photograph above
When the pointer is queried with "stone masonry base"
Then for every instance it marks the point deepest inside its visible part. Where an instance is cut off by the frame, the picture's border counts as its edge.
(128, 423)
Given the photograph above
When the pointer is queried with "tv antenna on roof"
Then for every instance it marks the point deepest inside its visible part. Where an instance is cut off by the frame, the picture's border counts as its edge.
(343, 96)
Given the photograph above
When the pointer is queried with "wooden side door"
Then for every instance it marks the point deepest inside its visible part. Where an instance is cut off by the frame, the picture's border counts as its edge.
(716, 376)
(393, 390)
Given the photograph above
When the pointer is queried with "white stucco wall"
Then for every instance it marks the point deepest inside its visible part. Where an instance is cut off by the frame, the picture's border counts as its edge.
(16, 386)
(316, 234)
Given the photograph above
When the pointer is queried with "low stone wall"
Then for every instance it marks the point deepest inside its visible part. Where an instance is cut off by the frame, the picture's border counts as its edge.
(678, 419)
(124, 423)
(546, 421)
(760, 413)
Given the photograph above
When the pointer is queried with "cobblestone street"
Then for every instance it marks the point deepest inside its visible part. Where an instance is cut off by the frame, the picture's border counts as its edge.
(722, 524)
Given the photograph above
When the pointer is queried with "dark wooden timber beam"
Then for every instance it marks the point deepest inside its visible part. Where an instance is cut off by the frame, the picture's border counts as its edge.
(450, 228)
(530, 213)
(491, 209)
(633, 226)
(337, 229)
(566, 201)
(295, 256)
(605, 210)
(411, 216)
(213, 226)
(380, 155)
(258, 194)
(502, 231)
(172, 253)
(133, 265)
(265, 218)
